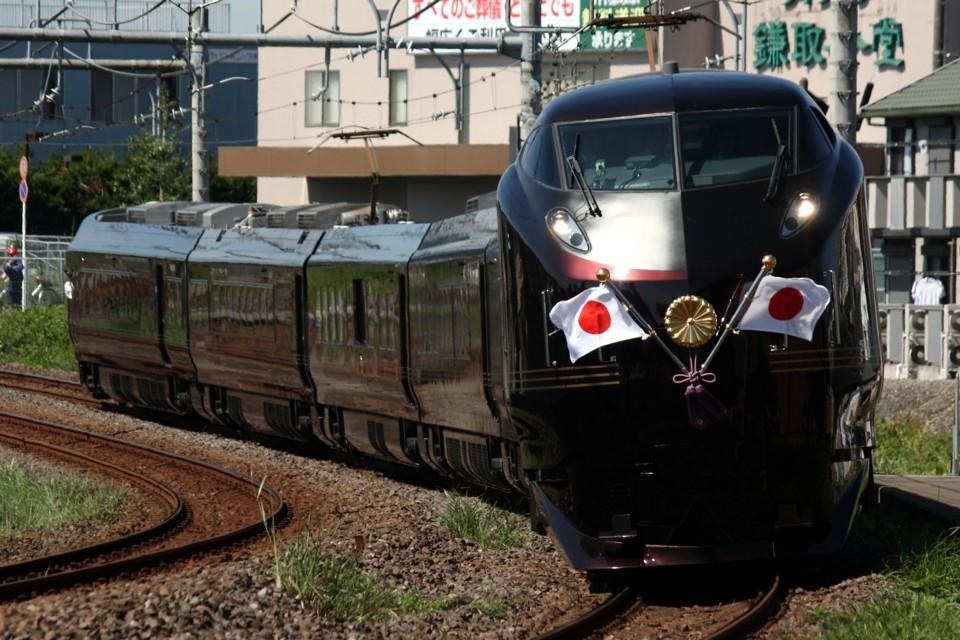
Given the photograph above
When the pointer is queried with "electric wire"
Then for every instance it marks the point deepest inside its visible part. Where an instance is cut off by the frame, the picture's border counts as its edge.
(412, 16)
(73, 9)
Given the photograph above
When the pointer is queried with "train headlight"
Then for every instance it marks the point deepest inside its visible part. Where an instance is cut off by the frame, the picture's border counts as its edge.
(802, 210)
(565, 227)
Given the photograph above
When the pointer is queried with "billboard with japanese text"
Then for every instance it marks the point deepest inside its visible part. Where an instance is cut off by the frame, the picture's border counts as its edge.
(483, 18)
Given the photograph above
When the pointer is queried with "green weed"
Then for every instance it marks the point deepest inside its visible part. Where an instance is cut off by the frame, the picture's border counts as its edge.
(341, 590)
(492, 608)
(934, 570)
(473, 521)
(37, 337)
(901, 615)
(911, 449)
(28, 501)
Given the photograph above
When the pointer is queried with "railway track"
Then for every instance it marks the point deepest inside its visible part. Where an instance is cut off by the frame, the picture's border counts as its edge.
(616, 612)
(45, 385)
(203, 506)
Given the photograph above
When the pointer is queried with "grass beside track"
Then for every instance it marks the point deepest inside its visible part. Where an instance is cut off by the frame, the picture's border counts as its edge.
(37, 337)
(474, 521)
(921, 560)
(49, 499)
(341, 589)
(923, 601)
(911, 449)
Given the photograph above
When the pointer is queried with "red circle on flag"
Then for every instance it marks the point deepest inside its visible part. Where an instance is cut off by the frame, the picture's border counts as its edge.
(594, 317)
(785, 304)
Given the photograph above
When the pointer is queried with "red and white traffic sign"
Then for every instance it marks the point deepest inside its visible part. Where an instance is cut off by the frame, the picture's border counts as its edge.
(24, 167)
(24, 191)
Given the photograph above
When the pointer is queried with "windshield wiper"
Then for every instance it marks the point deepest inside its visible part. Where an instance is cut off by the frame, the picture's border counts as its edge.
(773, 187)
(592, 207)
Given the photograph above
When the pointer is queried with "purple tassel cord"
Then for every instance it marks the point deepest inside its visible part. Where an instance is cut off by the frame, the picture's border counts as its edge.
(703, 408)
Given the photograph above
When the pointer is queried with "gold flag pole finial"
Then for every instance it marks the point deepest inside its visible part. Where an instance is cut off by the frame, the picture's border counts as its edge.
(603, 275)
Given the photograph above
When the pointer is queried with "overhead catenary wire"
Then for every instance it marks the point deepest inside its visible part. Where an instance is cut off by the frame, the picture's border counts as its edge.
(438, 113)
(412, 16)
(73, 9)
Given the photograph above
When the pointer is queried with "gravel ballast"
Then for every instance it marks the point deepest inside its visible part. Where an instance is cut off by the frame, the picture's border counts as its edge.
(231, 594)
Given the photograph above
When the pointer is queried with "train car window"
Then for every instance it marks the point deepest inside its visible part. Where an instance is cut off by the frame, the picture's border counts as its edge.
(538, 158)
(816, 138)
(635, 154)
(723, 147)
(359, 313)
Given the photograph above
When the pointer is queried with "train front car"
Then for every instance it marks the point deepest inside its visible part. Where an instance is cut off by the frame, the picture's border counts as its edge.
(679, 185)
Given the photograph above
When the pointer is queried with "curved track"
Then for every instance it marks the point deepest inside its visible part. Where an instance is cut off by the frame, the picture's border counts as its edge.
(597, 618)
(752, 617)
(205, 506)
(616, 610)
(50, 386)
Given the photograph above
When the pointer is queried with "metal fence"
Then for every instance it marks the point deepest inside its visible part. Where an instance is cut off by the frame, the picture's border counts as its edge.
(43, 267)
(44, 260)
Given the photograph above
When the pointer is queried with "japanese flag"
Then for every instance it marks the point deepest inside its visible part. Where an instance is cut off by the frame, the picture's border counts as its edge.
(789, 306)
(591, 319)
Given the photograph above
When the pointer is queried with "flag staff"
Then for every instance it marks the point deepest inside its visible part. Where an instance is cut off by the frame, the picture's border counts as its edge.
(768, 263)
(603, 275)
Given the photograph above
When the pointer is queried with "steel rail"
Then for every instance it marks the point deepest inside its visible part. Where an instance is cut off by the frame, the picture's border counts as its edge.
(68, 389)
(175, 514)
(742, 624)
(274, 513)
(594, 619)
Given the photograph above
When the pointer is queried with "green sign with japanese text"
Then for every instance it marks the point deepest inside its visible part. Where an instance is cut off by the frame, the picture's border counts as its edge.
(775, 47)
(599, 39)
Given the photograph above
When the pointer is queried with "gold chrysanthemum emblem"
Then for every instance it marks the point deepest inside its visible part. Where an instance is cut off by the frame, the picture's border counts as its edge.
(691, 321)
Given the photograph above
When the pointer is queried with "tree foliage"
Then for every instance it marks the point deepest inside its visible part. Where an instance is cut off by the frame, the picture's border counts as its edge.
(63, 191)
(152, 170)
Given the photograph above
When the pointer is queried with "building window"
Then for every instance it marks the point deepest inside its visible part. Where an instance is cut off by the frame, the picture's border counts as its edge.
(940, 150)
(127, 100)
(398, 97)
(101, 96)
(900, 150)
(322, 99)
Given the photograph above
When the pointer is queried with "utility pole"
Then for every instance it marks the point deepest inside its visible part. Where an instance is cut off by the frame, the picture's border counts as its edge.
(843, 68)
(743, 38)
(530, 71)
(200, 169)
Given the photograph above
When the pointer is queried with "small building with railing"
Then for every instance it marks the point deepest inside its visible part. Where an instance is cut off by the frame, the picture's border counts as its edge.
(914, 218)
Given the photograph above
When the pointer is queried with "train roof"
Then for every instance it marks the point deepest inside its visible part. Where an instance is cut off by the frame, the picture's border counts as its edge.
(669, 92)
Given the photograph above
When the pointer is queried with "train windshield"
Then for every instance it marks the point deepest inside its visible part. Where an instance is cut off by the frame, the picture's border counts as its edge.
(734, 146)
(635, 154)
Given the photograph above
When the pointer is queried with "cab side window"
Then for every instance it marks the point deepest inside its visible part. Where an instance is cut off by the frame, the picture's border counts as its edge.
(538, 158)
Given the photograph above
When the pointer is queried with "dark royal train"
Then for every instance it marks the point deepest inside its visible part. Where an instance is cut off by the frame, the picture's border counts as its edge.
(430, 344)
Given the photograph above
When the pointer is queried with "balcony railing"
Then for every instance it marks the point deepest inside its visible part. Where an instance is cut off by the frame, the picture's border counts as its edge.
(899, 203)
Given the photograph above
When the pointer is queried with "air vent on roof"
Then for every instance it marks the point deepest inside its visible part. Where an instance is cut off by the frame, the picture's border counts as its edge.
(276, 220)
(306, 220)
(481, 201)
(137, 215)
(186, 218)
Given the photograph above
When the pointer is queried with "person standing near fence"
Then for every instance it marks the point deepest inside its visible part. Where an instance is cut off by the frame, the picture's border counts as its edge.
(13, 274)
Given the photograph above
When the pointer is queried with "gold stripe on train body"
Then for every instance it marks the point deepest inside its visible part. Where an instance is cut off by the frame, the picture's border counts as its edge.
(690, 321)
